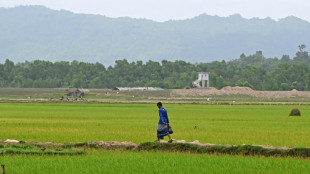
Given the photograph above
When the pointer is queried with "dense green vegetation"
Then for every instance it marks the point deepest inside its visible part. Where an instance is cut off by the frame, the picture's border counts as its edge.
(222, 124)
(246, 150)
(218, 124)
(151, 162)
(36, 32)
(255, 71)
(29, 149)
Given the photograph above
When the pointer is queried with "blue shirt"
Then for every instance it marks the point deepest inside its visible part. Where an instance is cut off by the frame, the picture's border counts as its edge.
(163, 116)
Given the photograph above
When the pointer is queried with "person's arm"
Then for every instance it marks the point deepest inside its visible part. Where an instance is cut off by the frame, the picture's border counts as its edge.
(161, 117)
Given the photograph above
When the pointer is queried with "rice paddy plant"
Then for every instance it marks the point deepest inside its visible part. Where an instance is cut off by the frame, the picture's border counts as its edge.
(218, 124)
(151, 162)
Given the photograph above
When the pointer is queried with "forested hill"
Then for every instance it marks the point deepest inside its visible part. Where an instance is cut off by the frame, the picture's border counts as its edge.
(36, 32)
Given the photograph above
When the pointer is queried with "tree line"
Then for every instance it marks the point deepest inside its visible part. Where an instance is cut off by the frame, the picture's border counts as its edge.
(254, 71)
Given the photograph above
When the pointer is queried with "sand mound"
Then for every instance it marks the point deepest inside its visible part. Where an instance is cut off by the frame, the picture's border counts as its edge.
(236, 88)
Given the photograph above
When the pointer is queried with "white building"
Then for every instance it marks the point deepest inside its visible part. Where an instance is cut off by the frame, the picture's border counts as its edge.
(202, 77)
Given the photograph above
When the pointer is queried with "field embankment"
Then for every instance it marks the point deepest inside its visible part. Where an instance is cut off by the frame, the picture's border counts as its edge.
(34, 148)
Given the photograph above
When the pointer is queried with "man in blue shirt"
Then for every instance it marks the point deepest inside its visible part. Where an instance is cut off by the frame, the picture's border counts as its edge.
(163, 123)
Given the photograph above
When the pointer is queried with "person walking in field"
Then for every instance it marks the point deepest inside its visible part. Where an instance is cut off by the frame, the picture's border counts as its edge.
(163, 124)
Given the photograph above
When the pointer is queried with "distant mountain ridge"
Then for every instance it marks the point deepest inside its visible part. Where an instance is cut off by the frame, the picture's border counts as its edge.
(36, 32)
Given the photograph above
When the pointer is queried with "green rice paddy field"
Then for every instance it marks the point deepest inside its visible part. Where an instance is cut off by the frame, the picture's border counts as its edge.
(218, 124)
(151, 162)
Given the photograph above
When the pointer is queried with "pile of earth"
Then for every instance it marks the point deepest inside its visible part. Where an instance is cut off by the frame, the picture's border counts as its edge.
(228, 90)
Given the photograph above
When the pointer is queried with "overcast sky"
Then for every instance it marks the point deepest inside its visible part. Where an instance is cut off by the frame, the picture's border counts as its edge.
(162, 10)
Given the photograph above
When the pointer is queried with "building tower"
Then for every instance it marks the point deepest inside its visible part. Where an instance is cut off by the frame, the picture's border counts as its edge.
(202, 77)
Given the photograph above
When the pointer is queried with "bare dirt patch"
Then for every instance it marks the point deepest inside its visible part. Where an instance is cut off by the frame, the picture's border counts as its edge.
(238, 91)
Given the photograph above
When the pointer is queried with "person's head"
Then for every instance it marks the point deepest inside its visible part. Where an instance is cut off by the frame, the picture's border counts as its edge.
(159, 105)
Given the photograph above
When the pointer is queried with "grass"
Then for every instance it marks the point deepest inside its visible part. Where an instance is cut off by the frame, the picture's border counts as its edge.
(28, 149)
(246, 150)
(81, 148)
(218, 124)
(151, 162)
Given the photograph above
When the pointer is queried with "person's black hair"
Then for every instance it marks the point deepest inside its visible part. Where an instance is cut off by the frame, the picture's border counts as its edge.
(159, 104)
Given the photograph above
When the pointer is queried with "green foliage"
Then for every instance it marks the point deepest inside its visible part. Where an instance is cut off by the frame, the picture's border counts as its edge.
(249, 71)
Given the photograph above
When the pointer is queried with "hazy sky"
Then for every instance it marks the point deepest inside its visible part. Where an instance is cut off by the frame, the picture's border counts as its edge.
(162, 10)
